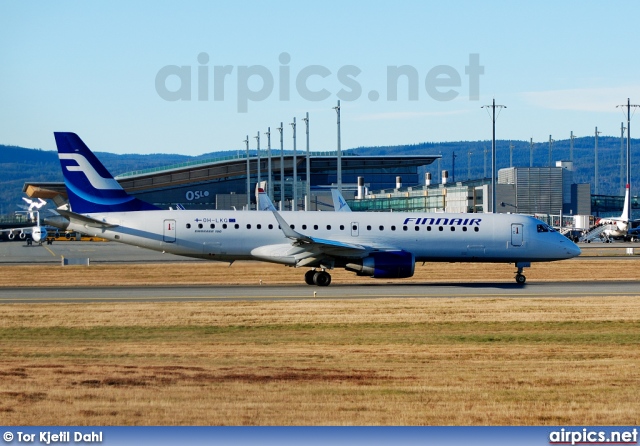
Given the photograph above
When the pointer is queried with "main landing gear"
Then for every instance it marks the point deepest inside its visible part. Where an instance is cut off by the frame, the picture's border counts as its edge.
(520, 278)
(320, 278)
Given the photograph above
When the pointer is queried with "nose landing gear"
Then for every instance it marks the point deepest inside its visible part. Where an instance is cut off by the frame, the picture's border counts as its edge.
(520, 278)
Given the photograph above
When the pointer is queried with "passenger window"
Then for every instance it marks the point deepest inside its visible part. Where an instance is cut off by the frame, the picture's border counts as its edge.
(188, 225)
(270, 226)
(368, 227)
(315, 227)
(293, 226)
(393, 228)
(342, 227)
(212, 226)
(464, 229)
(428, 228)
(477, 229)
(328, 227)
(199, 225)
(248, 226)
(404, 228)
(224, 226)
(417, 228)
(304, 226)
(453, 229)
(237, 226)
(440, 228)
(381, 228)
(259, 226)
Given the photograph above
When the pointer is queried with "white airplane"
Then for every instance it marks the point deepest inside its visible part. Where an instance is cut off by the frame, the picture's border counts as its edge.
(38, 233)
(339, 204)
(619, 226)
(380, 245)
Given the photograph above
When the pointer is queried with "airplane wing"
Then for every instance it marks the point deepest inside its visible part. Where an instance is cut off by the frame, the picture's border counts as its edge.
(320, 245)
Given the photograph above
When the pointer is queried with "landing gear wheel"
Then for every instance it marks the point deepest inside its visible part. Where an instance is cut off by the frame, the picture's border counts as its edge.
(322, 278)
(308, 277)
(520, 279)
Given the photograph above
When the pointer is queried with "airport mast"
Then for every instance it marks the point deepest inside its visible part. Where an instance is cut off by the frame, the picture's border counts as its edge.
(339, 157)
(571, 147)
(596, 180)
(269, 176)
(307, 200)
(246, 141)
(294, 207)
(622, 129)
(280, 129)
(259, 176)
(629, 105)
(493, 154)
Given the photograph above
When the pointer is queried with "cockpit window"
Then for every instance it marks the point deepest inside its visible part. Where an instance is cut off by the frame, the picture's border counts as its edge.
(545, 228)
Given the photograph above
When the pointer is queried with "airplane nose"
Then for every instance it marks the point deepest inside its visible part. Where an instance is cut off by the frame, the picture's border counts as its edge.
(573, 250)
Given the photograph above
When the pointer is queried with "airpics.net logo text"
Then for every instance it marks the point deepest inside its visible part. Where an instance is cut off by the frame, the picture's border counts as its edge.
(255, 83)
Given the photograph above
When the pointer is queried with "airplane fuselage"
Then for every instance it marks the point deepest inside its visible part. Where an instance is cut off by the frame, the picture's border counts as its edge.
(255, 235)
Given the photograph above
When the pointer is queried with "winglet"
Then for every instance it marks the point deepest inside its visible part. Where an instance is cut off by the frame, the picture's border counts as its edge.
(264, 202)
(288, 232)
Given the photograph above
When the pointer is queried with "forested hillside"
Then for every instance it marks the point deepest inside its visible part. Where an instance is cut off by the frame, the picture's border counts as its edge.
(19, 165)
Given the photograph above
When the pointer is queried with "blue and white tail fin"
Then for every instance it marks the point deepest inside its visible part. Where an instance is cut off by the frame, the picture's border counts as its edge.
(339, 204)
(90, 186)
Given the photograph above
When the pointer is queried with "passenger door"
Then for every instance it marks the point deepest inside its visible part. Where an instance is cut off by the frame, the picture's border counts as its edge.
(516, 234)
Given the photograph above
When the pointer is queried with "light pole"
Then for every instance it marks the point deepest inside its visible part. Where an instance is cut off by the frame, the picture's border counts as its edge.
(629, 105)
(269, 175)
(307, 200)
(246, 141)
(280, 129)
(493, 154)
(294, 207)
(258, 166)
(339, 157)
(595, 179)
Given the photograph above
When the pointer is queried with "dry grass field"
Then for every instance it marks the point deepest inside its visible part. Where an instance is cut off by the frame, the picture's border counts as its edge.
(319, 362)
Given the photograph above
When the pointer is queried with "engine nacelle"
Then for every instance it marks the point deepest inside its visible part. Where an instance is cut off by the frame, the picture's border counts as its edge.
(385, 265)
(11, 235)
(22, 236)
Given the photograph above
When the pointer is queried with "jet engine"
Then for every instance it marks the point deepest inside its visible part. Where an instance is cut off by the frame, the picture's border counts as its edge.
(385, 265)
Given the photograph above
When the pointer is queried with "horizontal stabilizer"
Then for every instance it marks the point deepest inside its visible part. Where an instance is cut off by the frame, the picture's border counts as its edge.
(85, 221)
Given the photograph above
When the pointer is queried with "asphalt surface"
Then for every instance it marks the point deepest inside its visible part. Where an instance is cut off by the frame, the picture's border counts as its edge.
(102, 252)
(303, 292)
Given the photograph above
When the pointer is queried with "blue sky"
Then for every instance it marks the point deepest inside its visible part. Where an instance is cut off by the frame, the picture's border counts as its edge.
(92, 68)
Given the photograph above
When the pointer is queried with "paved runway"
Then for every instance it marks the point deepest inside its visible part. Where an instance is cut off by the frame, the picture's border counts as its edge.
(101, 252)
(304, 292)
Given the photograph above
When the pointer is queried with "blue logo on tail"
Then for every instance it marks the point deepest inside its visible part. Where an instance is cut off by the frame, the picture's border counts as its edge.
(90, 186)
